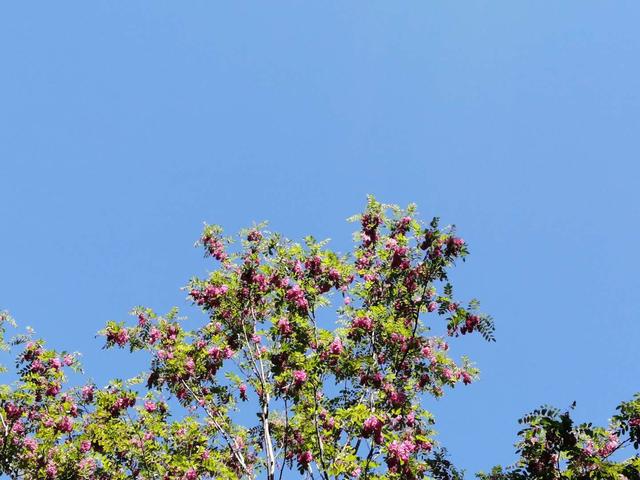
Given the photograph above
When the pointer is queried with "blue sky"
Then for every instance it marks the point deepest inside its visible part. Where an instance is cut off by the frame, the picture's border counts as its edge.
(124, 126)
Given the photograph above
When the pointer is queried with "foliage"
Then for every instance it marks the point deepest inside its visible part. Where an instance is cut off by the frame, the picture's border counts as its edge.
(552, 447)
(334, 353)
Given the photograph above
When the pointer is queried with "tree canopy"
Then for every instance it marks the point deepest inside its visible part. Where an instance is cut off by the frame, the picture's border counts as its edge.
(335, 353)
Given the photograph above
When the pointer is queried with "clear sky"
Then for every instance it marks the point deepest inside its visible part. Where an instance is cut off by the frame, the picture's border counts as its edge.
(125, 125)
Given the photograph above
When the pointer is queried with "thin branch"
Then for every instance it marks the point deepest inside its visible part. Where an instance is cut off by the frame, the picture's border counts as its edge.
(230, 443)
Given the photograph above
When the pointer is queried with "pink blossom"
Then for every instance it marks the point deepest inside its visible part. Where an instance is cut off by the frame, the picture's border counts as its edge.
(67, 360)
(296, 294)
(305, 458)
(447, 373)
(150, 406)
(87, 465)
(401, 451)
(65, 424)
(299, 377)
(87, 393)
(154, 335)
(334, 274)
(122, 337)
(191, 474)
(215, 353)
(13, 411)
(51, 470)
(243, 392)
(284, 327)
(589, 449)
(397, 398)
(37, 366)
(53, 390)
(18, 428)
(30, 443)
(85, 446)
(365, 323)
(610, 446)
(190, 365)
(373, 426)
(336, 347)
(411, 418)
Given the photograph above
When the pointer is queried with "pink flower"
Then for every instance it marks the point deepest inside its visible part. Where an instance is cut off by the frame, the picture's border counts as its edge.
(37, 366)
(365, 323)
(13, 412)
(254, 236)
(30, 443)
(433, 306)
(191, 474)
(400, 451)
(190, 365)
(397, 398)
(610, 446)
(51, 470)
(299, 377)
(154, 335)
(471, 322)
(18, 428)
(85, 446)
(55, 363)
(589, 449)
(634, 422)
(65, 424)
(284, 327)
(373, 426)
(121, 337)
(214, 247)
(336, 347)
(67, 360)
(334, 274)
(305, 458)
(53, 390)
(87, 465)
(296, 295)
(150, 406)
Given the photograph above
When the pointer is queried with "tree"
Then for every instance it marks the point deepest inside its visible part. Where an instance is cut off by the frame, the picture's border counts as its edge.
(334, 353)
